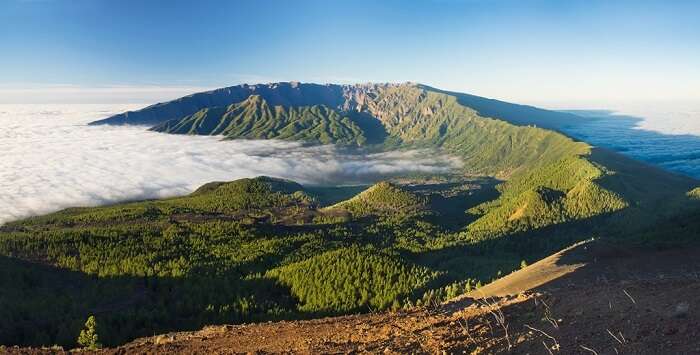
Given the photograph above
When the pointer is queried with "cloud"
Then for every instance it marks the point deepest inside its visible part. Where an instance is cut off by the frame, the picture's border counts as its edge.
(53, 160)
(667, 135)
(674, 118)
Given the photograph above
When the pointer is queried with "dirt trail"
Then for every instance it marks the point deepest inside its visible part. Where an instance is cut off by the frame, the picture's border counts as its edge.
(584, 300)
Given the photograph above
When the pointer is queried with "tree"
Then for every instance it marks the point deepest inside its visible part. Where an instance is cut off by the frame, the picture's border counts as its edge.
(88, 336)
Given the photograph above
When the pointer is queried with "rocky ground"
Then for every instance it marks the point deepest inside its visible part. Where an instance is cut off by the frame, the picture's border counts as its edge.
(586, 300)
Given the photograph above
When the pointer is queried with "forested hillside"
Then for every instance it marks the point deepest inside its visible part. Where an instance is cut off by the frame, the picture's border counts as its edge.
(383, 116)
(264, 249)
(254, 118)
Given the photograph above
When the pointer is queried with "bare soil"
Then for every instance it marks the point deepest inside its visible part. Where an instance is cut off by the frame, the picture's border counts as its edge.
(588, 299)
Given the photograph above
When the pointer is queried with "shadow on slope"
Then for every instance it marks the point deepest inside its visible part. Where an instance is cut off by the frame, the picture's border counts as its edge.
(42, 304)
(284, 94)
(522, 115)
(592, 262)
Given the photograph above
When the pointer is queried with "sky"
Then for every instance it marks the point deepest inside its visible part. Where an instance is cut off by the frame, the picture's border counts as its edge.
(567, 52)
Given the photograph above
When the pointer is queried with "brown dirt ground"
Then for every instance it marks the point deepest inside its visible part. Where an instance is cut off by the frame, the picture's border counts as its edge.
(588, 299)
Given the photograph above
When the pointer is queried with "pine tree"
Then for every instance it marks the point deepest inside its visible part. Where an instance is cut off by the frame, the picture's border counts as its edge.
(88, 336)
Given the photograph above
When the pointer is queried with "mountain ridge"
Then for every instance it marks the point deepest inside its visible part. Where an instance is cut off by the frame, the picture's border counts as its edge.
(345, 97)
(385, 116)
(254, 118)
(259, 249)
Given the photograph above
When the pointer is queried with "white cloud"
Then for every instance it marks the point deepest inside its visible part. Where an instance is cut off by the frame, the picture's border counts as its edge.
(666, 117)
(669, 118)
(52, 160)
(665, 134)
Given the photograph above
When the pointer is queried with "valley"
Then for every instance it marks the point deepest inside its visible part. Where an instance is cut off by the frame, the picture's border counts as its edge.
(269, 249)
(349, 177)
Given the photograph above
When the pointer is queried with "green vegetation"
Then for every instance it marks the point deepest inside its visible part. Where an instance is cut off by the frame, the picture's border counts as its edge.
(564, 191)
(384, 116)
(694, 193)
(384, 198)
(88, 337)
(415, 116)
(350, 279)
(254, 118)
(266, 249)
(261, 250)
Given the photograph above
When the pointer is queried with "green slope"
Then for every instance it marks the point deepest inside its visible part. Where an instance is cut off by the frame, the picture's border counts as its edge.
(418, 117)
(351, 279)
(557, 193)
(263, 248)
(254, 118)
(390, 116)
(384, 198)
(230, 252)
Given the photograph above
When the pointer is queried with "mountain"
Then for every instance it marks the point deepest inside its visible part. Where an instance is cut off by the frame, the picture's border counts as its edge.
(264, 249)
(389, 116)
(344, 97)
(254, 118)
(536, 162)
(283, 94)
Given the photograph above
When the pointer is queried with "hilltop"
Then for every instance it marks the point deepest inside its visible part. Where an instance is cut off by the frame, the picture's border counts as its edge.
(383, 198)
(266, 249)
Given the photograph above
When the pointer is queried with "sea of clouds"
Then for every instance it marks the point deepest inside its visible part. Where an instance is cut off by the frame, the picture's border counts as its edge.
(50, 159)
(663, 134)
(670, 118)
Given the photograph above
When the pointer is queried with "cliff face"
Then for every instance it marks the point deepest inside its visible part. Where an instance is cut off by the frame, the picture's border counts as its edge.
(282, 94)
(359, 97)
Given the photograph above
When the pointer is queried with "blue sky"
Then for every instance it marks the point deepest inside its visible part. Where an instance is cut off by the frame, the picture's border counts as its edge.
(527, 51)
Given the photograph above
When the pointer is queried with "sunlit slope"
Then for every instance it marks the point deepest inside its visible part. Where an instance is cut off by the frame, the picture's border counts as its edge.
(254, 118)
(579, 188)
(513, 113)
(352, 279)
(284, 94)
(385, 115)
(383, 198)
(417, 117)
